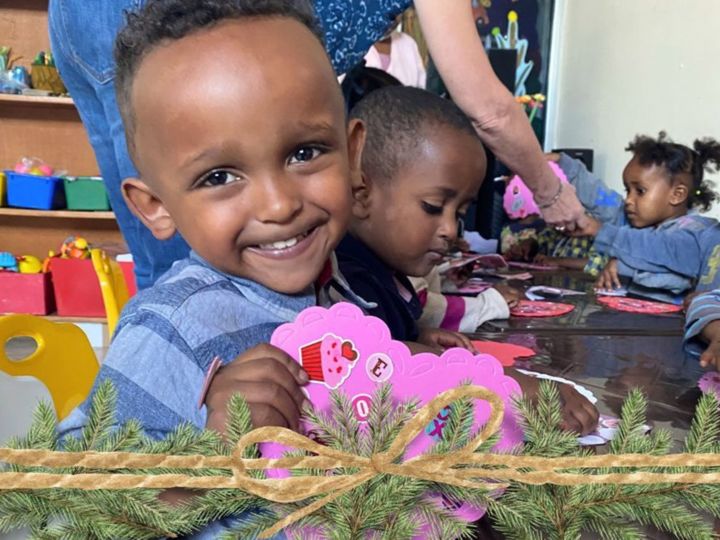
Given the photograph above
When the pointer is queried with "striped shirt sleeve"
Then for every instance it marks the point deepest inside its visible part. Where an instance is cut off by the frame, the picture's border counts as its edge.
(703, 309)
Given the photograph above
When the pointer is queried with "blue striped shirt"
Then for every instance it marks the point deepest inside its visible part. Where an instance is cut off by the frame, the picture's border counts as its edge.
(168, 335)
(703, 310)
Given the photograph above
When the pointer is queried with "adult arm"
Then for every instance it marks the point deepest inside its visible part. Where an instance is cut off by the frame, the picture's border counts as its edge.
(458, 53)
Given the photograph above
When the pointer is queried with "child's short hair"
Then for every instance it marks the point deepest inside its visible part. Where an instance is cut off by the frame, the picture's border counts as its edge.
(397, 117)
(162, 21)
(680, 159)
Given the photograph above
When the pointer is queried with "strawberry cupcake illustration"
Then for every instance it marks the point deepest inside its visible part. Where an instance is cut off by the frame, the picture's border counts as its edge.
(329, 361)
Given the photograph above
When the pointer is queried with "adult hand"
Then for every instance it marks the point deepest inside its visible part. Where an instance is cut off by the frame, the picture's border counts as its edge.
(609, 277)
(270, 382)
(438, 338)
(590, 227)
(566, 213)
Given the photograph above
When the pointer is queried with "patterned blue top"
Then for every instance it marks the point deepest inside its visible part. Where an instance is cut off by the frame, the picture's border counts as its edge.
(352, 26)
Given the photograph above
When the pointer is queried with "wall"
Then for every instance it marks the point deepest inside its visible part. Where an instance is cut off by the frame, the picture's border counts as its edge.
(633, 66)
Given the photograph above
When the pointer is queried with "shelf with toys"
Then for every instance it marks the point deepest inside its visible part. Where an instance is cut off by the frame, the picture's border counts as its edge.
(68, 283)
(47, 127)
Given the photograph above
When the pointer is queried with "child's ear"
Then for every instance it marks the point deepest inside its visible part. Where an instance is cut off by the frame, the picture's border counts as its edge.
(148, 208)
(356, 143)
(359, 183)
(679, 194)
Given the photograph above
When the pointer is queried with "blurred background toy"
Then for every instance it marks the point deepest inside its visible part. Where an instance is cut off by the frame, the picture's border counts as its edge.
(28, 264)
(8, 262)
(34, 166)
(75, 248)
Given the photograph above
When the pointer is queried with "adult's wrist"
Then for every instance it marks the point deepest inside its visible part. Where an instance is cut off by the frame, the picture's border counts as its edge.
(551, 201)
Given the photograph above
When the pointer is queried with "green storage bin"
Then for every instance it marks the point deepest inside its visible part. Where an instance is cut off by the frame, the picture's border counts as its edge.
(86, 193)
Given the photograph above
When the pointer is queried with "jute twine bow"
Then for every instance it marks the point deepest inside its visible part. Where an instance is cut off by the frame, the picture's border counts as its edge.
(462, 467)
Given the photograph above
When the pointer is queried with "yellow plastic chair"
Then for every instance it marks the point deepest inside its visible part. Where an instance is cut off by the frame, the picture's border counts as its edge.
(63, 360)
(112, 286)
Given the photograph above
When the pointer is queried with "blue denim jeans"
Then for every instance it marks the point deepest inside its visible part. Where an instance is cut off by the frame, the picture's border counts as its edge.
(82, 35)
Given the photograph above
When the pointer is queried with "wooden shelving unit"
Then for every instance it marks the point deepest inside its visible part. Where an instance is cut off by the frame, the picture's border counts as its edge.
(37, 100)
(48, 128)
(55, 214)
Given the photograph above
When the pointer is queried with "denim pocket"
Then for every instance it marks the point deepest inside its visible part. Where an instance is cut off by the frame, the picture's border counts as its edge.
(87, 31)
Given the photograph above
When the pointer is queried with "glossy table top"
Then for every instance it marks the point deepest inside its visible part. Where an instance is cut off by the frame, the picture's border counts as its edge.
(588, 317)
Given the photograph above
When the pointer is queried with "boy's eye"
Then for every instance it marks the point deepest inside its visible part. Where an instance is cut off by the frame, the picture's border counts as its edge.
(432, 209)
(219, 178)
(304, 154)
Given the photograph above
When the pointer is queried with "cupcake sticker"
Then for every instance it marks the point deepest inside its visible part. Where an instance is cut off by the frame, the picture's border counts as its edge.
(329, 361)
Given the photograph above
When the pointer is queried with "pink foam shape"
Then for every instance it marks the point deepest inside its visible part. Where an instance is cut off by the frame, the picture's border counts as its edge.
(382, 359)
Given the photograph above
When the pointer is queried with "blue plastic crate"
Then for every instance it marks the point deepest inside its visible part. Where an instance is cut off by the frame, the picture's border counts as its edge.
(30, 191)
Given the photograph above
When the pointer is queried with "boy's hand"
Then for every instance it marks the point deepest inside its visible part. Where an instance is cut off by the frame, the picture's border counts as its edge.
(711, 356)
(609, 277)
(270, 382)
(437, 338)
(511, 295)
(579, 415)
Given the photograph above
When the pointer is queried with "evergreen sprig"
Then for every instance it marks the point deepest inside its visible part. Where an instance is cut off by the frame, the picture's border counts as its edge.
(611, 511)
(385, 507)
(112, 514)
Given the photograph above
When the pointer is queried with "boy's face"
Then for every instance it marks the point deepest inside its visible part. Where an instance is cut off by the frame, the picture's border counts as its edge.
(412, 218)
(242, 147)
(650, 196)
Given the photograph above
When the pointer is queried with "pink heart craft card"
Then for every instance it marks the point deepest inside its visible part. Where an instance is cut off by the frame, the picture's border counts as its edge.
(342, 349)
(633, 305)
(530, 308)
(532, 266)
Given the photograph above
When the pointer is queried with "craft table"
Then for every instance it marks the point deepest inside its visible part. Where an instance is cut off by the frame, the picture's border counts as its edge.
(588, 317)
(611, 365)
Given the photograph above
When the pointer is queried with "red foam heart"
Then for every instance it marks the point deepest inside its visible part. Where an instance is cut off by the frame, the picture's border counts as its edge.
(507, 353)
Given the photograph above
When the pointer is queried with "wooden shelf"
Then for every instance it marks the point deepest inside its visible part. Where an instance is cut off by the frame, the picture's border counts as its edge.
(36, 100)
(56, 214)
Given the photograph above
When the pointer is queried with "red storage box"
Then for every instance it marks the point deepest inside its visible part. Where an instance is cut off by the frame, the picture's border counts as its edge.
(128, 270)
(77, 290)
(26, 293)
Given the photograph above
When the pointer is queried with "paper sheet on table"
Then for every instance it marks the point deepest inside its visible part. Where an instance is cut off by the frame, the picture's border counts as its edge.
(479, 244)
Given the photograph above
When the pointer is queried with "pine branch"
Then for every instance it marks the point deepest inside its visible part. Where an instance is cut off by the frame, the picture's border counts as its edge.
(101, 417)
(705, 427)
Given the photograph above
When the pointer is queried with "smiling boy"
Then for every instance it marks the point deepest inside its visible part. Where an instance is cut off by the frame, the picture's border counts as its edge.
(236, 124)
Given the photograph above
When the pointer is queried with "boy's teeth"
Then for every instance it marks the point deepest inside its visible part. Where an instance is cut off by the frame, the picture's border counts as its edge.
(282, 244)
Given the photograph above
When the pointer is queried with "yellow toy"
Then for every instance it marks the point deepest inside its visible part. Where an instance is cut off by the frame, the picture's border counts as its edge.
(64, 361)
(27, 264)
(75, 248)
